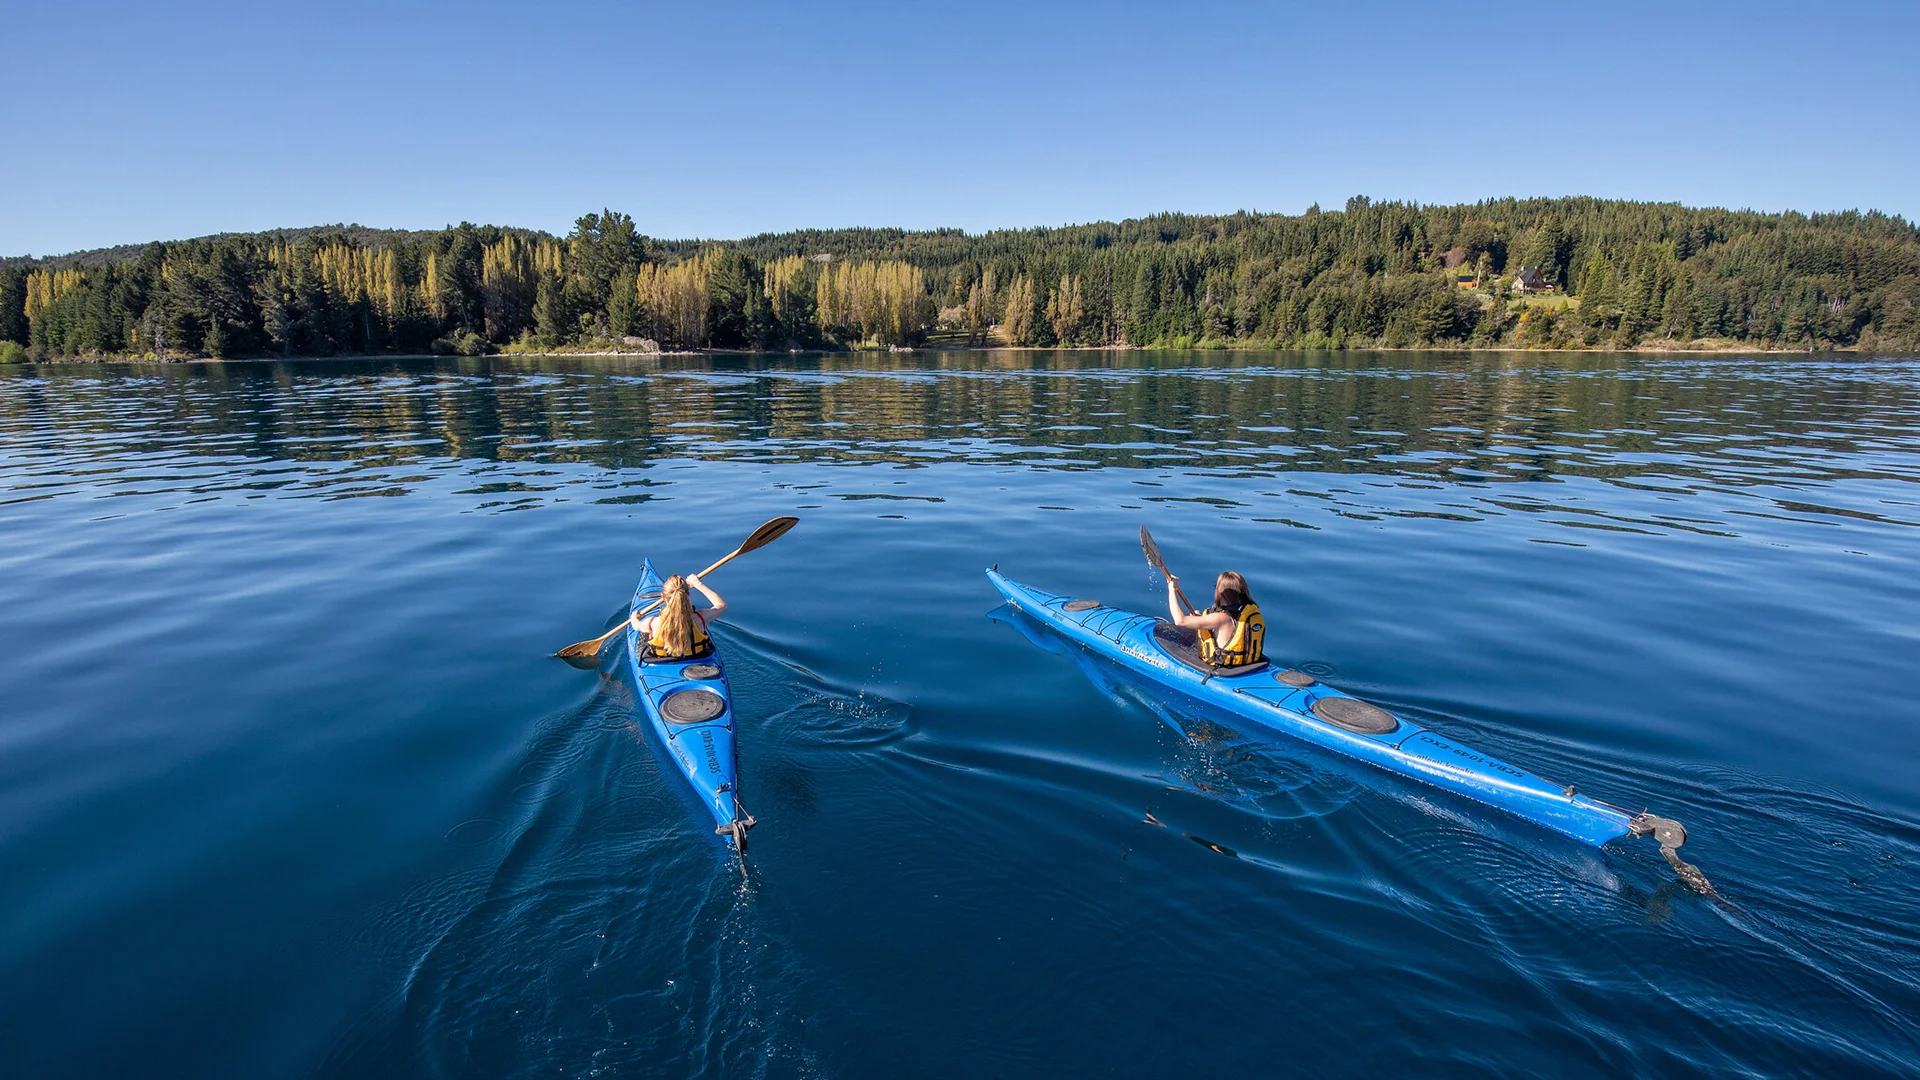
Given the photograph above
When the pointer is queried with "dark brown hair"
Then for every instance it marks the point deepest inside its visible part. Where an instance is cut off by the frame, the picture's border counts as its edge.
(1230, 591)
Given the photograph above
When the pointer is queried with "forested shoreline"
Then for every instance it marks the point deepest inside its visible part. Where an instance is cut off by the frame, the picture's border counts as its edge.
(1602, 274)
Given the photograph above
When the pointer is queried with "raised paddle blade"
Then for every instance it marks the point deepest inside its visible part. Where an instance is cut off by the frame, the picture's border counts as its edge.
(1152, 549)
(761, 537)
(768, 533)
(1154, 560)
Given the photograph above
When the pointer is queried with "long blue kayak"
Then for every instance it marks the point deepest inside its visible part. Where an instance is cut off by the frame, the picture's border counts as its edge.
(690, 708)
(1295, 703)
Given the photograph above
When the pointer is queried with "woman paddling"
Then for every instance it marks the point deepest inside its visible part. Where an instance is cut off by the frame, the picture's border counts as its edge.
(1231, 631)
(679, 632)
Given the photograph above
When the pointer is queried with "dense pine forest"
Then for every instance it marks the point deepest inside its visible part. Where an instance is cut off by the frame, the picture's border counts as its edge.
(1542, 273)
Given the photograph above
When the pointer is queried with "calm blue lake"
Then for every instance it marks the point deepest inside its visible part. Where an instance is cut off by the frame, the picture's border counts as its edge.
(290, 786)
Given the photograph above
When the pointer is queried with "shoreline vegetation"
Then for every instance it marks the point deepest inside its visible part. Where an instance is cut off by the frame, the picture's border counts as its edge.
(1498, 275)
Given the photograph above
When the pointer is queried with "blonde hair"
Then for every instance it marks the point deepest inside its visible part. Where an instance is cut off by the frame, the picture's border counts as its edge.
(673, 627)
(1230, 590)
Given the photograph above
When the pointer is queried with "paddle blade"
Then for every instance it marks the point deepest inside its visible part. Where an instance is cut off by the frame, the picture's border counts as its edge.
(587, 660)
(586, 654)
(1154, 560)
(1152, 549)
(768, 533)
(583, 654)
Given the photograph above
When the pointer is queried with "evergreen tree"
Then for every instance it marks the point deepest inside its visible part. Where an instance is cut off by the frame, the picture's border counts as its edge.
(552, 323)
(623, 306)
(460, 279)
(1639, 309)
(732, 282)
(1596, 292)
(1434, 317)
(602, 248)
(13, 304)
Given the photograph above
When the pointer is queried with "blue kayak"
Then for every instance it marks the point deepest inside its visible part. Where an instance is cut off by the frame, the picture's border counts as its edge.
(1295, 703)
(691, 709)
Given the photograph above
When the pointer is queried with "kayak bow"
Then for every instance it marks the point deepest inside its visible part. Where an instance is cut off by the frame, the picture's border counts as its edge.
(1295, 703)
(690, 708)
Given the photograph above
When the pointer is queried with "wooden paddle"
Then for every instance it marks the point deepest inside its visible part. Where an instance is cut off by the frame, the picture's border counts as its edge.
(762, 536)
(1154, 560)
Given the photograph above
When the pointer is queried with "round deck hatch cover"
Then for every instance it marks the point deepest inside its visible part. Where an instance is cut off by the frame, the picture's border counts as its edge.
(700, 671)
(1080, 605)
(1294, 678)
(692, 706)
(1355, 715)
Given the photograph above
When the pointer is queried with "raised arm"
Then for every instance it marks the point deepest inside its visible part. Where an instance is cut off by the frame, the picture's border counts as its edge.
(713, 598)
(1197, 621)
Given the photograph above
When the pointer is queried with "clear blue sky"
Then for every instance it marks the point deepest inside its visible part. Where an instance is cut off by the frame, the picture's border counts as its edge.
(138, 121)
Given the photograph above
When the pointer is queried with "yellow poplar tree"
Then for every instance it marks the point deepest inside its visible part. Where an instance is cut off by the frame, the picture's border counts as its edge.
(46, 286)
(884, 303)
(1018, 323)
(980, 306)
(673, 299)
(510, 270)
(430, 294)
(361, 274)
(785, 277)
(1066, 308)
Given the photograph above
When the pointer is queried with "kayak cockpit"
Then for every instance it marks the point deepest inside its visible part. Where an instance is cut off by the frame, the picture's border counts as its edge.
(1182, 643)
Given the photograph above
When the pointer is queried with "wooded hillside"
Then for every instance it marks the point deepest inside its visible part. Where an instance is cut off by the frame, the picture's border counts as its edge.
(1369, 275)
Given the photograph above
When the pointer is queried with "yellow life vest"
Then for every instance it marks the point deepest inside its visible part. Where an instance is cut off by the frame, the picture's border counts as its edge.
(1249, 635)
(701, 643)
